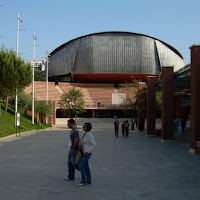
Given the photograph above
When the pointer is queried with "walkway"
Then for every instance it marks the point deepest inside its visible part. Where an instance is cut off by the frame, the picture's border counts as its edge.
(33, 167)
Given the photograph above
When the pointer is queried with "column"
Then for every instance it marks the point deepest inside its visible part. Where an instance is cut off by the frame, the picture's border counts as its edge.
(53, 119)
(195, 96)
(167, 103)
(151, 104)
(141, 105)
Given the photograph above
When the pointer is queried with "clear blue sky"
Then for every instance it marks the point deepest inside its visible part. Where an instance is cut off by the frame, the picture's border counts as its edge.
(176, 22)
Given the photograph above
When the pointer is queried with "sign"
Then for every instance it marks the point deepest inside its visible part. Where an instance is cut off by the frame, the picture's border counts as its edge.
(17, 121)
(118, 98)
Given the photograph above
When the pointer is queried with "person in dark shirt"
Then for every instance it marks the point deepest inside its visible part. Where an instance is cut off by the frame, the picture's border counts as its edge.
(73, 144)
(123, 126)
(116, 127)
(127, 128)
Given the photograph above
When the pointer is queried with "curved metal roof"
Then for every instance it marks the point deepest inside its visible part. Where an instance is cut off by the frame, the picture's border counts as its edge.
(98, 33)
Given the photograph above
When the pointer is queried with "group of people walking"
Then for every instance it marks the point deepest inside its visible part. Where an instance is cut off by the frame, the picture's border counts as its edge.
(85, 145)
(124, 128)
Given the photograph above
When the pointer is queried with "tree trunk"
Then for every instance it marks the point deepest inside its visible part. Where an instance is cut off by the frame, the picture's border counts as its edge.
(6, 108)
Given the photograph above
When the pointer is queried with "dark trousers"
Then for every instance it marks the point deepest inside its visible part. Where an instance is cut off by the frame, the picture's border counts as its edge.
(116, 131)
(71, 168)
(127, 132)
(135, 122)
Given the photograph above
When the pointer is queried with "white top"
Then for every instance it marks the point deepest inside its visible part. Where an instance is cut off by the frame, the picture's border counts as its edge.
(88, 142)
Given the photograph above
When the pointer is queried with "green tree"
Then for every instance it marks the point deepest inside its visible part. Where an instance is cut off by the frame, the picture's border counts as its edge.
(43, 109)
(158, 104)
(131, 96)
(39, 75)
(14, 73)
(72, 102)
(24, 101)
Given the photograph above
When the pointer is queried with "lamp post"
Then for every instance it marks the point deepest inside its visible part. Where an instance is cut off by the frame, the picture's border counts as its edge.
(34, 38)
(17, 47)
(47, 60)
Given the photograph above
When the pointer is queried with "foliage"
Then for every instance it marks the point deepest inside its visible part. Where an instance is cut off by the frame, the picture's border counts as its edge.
(42, 108)
(129, 89)
(72, 102)
(39, 75)
(131, 99)
(24, 101)
(7, 122)
(14, 73)
(158, 104)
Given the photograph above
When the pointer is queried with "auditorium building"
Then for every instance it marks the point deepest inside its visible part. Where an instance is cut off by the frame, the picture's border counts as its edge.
(98, 63)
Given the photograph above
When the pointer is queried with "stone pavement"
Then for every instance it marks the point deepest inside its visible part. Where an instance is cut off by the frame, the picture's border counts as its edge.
(33, 167)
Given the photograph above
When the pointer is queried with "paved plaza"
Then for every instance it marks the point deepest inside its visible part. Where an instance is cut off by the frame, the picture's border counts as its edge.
(33, 167)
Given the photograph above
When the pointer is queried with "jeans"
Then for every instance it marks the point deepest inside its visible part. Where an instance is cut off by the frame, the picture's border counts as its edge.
(85, 170)
(123, 132)
(71, 169)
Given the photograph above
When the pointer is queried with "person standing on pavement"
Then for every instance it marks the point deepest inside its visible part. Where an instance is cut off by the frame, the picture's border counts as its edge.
(116, 127)
(73, 144)
(87, 145)
(123, 128)
(127, 128)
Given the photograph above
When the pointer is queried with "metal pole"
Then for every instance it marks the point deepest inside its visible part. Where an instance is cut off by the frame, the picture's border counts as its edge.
(47, 74)
(47, 59)
(17, 47)
(33, 66)
(18, 21)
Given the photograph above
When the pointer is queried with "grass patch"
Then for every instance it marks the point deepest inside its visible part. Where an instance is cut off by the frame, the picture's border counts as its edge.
(7, 122)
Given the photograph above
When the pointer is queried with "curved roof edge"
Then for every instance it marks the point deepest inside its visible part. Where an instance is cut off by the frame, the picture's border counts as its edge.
(97, 33)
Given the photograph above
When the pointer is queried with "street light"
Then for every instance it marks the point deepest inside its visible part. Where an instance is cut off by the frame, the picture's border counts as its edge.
(34, 38)
(47, 60)
(17, 53)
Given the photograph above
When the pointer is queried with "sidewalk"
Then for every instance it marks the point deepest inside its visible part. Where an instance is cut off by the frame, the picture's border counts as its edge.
(33, 167)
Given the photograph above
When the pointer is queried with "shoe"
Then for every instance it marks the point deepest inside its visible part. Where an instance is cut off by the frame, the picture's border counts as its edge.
(88, 183)
(68, 179)
(81, 184)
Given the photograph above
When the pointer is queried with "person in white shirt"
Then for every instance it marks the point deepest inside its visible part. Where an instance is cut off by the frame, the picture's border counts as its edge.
(87, 145)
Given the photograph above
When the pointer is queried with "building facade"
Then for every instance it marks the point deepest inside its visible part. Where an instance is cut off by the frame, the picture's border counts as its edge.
(111, 57)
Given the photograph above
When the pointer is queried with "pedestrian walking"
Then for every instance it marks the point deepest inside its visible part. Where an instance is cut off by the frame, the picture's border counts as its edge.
(123, 128)
(73, 144)
(116, 127)
(87, 145)
(135, 122)
(127, 128)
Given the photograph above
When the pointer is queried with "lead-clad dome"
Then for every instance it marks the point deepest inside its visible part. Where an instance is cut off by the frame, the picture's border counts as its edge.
(112, 57)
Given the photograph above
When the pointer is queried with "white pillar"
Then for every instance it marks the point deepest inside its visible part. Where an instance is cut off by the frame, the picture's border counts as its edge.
(17, 47)
(33, 66)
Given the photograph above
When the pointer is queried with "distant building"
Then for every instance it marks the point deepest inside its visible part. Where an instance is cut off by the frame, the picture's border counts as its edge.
(97, 63)
(39, 64)
(112, 57)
